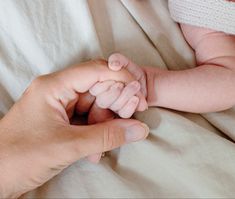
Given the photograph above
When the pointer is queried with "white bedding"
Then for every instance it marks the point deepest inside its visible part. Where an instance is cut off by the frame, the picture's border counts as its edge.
(186, 155)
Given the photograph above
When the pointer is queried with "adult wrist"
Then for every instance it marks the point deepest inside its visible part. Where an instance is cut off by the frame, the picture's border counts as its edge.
(10, 184)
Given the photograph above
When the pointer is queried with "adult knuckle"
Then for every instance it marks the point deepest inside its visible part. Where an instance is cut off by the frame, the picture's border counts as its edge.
(100, 65)
(100, 61)
(112, 137)
(108, 138)
(77, 151)
(34, 85)
(38, 81)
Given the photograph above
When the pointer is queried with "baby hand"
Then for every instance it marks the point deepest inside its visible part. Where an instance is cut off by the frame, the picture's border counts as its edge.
(117, 97)
(123, 100)
(118, 61)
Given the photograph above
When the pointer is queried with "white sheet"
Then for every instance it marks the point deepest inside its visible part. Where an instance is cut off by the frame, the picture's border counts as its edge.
(186, 155)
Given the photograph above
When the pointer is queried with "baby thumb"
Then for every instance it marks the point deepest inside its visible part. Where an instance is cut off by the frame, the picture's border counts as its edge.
(106, 136)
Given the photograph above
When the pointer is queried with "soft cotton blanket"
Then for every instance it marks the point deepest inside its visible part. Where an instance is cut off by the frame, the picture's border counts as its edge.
(186, 155)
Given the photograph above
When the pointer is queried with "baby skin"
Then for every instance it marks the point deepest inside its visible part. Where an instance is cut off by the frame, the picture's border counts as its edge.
(209, 87)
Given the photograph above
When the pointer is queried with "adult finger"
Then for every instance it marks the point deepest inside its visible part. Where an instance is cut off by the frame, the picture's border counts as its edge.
(84, 103)
(106, 136)
(95, 158)
(98, 115)
(82, 77)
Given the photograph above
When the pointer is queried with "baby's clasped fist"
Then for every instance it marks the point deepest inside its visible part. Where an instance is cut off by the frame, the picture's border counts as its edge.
(117, 97)
(122, 99)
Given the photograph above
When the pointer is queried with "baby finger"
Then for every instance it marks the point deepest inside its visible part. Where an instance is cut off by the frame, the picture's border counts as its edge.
(129, 108)
(130, 90)
(100, 87)
(106, 99)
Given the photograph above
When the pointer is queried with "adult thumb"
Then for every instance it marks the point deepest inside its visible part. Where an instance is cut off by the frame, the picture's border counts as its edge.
(106, 136)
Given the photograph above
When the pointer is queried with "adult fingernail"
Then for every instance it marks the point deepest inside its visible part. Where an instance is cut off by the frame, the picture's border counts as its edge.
(136, 132)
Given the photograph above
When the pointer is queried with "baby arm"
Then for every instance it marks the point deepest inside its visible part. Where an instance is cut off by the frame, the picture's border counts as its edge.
(209, 87)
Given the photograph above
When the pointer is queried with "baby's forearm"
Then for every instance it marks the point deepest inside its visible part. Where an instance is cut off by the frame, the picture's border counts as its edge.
(209, 87)
(206, 88)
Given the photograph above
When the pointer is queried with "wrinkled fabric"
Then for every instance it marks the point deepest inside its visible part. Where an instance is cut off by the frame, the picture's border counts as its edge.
(185, 155)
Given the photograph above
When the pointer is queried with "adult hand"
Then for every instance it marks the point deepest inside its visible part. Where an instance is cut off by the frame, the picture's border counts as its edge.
(37, 140)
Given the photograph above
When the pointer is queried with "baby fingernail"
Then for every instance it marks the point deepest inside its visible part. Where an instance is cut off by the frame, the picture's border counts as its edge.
(134, 99)
(135, 84)
(115, 63)
(136, 132)
(117, 86)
